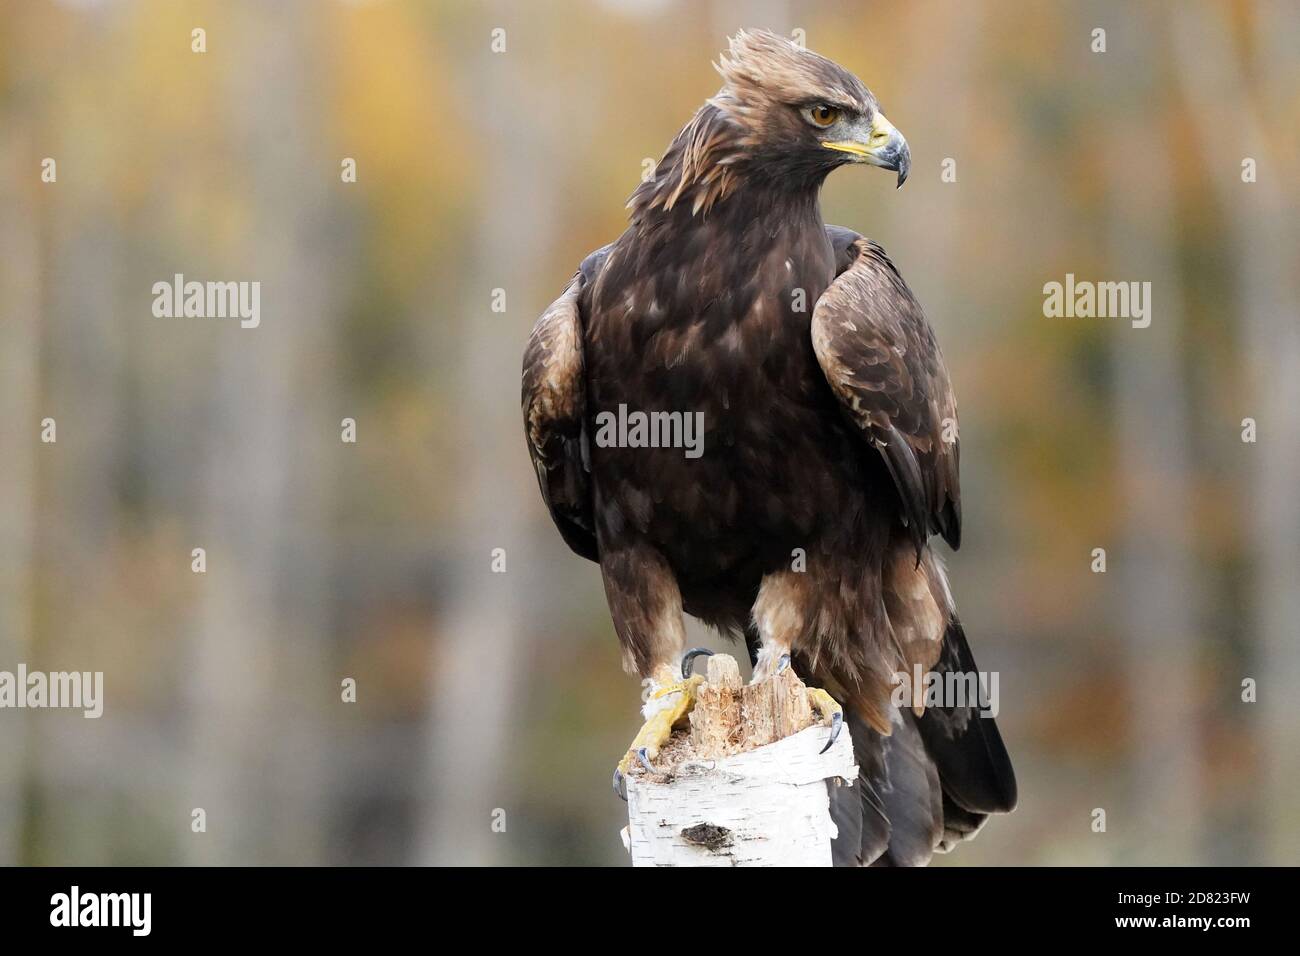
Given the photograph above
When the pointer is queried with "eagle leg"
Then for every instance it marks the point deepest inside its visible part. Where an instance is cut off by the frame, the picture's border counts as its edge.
(667, 705)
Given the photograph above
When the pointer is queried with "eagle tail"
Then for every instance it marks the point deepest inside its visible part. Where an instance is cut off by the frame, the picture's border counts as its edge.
(965, 745)
(928, 785)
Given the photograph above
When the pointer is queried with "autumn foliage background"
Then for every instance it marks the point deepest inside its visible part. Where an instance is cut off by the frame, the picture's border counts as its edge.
(478, 171)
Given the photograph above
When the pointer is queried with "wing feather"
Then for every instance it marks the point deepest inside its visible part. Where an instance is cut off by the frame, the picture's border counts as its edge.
(881, 359)
(555, 411)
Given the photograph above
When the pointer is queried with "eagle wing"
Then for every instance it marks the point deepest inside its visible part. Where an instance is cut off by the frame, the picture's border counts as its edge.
(881, 359)
(555, 411)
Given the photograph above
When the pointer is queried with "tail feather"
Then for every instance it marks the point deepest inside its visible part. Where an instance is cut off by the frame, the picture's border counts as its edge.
(929, 785)
(914, 798)
(966, 747)
(859, 812)
(958, 825)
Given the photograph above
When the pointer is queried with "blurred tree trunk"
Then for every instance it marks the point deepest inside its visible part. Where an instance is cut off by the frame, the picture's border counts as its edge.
(260, 780)
(480, 653)
(86, 361)
(20, 413)
(1261, 231)
(947, 42)
(1159, 614)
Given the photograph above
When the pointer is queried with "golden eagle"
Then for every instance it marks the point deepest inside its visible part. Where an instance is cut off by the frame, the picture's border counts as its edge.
(828, 456)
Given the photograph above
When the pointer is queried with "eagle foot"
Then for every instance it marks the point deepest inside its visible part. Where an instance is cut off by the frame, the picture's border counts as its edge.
(670, 704)
(829, 708)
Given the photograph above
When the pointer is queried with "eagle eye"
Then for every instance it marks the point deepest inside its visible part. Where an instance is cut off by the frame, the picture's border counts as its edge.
(823, 115)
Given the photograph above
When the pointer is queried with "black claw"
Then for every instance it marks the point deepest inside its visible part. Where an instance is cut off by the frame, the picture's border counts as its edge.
(782, 662)
(837, 722)
(643, 759)
(620, 790)
(689, 659)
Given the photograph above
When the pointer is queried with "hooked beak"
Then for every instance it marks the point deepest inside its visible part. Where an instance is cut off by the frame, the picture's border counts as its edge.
(882, 145)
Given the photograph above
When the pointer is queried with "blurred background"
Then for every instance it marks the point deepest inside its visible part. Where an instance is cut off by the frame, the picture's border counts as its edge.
(476, 171)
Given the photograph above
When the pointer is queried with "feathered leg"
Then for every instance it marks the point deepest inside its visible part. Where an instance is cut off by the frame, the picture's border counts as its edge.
(646, 606)
(780, 614)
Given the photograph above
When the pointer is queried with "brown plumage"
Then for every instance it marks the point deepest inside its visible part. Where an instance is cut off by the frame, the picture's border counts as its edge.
(830, 452)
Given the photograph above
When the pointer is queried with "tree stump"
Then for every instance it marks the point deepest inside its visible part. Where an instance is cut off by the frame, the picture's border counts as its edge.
(745, 783)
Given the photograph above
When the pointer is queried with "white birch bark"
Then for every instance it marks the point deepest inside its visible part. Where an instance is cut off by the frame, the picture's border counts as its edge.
(746, 785)
(766, 807)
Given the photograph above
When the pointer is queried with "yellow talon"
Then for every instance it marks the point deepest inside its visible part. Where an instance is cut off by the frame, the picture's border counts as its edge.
(654, 733)
(830, 709)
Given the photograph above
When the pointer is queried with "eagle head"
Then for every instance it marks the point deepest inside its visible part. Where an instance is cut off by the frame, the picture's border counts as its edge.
(799, 114)
(785, 117)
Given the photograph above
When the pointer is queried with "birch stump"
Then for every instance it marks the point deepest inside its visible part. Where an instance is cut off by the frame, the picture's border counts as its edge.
(745, 784)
